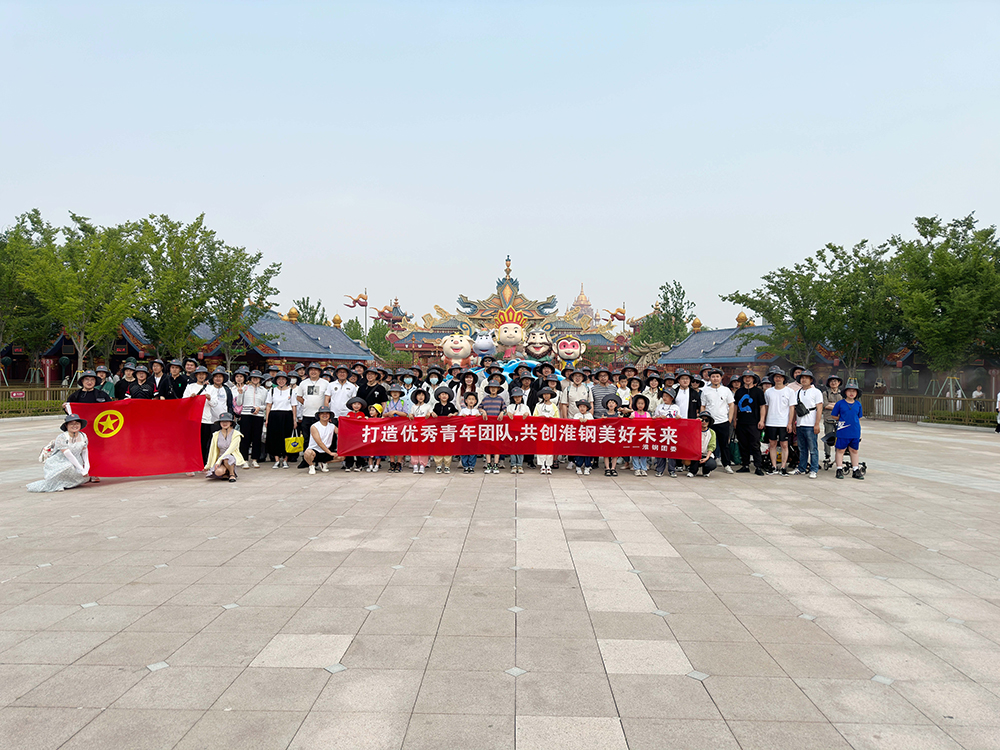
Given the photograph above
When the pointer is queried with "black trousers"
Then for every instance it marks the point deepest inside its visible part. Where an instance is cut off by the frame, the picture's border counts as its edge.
(706, 468)
(722, 437)
(748, 436)
(206, 440)
(252, 428)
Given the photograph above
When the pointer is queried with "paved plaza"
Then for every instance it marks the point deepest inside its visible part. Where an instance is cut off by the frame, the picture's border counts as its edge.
(477, 612)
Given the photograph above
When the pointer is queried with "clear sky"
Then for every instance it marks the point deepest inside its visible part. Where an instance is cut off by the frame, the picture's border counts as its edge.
(409, 147)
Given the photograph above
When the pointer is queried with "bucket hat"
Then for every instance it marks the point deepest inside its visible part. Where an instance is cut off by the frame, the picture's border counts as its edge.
(706, 415)
(73, 418)
(357, 400)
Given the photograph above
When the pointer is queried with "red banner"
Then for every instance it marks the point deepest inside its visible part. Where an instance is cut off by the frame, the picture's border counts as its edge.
(139, 437)
(459, 436)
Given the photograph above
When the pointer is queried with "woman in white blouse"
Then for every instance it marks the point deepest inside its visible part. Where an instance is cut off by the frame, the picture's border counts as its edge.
(279, 419)
(251, 403)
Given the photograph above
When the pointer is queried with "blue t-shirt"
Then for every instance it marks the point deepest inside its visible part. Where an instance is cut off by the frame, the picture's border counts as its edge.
(848, 418)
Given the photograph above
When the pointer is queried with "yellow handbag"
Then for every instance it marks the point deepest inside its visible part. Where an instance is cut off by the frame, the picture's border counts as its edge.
(295, 443)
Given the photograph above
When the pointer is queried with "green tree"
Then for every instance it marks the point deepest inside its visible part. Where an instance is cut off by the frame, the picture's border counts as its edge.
(310, 312)
(380, 346)
(948, 286)
(82, 282)
(791, 300)
(233, 279)
(177, 259)
(860, 326)
(353, 329)
(14, 296)
(668, 323)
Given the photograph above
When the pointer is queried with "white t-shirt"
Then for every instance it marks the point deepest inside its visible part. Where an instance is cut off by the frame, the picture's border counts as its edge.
(716, 401)
(779, 401)
(681, 402)
(667, 411)
(195, 389)
(280, 400)
(340, 394)
(314, 394)
(812, 397)
(218, 399)
(583, 417)
(465, 411)
(519, 410)
(325, 434)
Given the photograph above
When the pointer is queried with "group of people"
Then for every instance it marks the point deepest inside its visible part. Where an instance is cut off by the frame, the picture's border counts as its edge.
(763, 425)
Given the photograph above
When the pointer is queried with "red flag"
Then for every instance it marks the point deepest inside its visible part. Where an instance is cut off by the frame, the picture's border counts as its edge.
(139, 437)
(456, 436)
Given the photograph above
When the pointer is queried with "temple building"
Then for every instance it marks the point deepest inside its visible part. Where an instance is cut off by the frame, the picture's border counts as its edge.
(423, 340)
(274, 339)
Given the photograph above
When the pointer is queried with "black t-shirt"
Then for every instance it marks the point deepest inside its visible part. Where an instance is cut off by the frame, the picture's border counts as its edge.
(373, 394)
(140, 390)
(445, 410)
(748, 404)
(89, 397)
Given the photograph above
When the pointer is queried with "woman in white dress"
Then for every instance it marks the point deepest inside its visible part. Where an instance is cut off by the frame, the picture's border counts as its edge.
(68, 463)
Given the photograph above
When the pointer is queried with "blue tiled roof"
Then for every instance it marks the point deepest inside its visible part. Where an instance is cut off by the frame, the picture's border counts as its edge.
(719, 346)
(307, 341)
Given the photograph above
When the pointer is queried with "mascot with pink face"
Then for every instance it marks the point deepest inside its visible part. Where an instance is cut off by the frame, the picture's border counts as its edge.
(510, 325)
(569, 349)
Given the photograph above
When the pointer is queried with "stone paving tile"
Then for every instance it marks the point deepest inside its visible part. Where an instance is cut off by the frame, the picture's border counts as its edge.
(790, 595)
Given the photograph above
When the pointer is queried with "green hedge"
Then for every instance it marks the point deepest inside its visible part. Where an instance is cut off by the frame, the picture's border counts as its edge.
(21, 408)
(972, 418)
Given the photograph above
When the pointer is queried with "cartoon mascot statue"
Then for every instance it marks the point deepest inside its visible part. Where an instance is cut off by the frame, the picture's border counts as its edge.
(456, 347)
(510, 325)
(569, 350)
(539, 344)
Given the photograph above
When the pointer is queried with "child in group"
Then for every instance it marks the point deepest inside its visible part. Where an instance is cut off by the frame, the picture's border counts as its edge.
(421, 408)
(640, 410)
(831, 396)
(584, 415)
(848, 415)
(611, 402)
(548, 409)
(517, 408)
(667, 409)
(375, 462)
(493, 405)
(471, 409)
(443, 408)
(396, 406)
(707, 462)
(356, 407)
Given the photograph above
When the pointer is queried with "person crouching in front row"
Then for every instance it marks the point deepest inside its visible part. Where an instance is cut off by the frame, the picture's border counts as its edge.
(321, 437)
(224, 450)
(706, 464)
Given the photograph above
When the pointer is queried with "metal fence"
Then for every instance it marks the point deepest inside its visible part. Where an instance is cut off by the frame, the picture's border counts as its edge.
(941, 409)
(29, 401)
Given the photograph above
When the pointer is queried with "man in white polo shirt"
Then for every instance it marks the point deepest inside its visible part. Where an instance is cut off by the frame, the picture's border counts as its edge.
(718, 401)
(341, 391)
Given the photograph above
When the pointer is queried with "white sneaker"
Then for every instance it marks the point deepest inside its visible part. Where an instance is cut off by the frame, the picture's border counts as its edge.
(284, 464)
(277, 465)
(422, 467)
(729, 469)
(637, 473)
(244, 465)
(586, 471)
(690, 473)
(377, 467)
(812, 474)
(579, 470)
(324, 468)
(255, 464)
(796, 472)
(312, 469)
